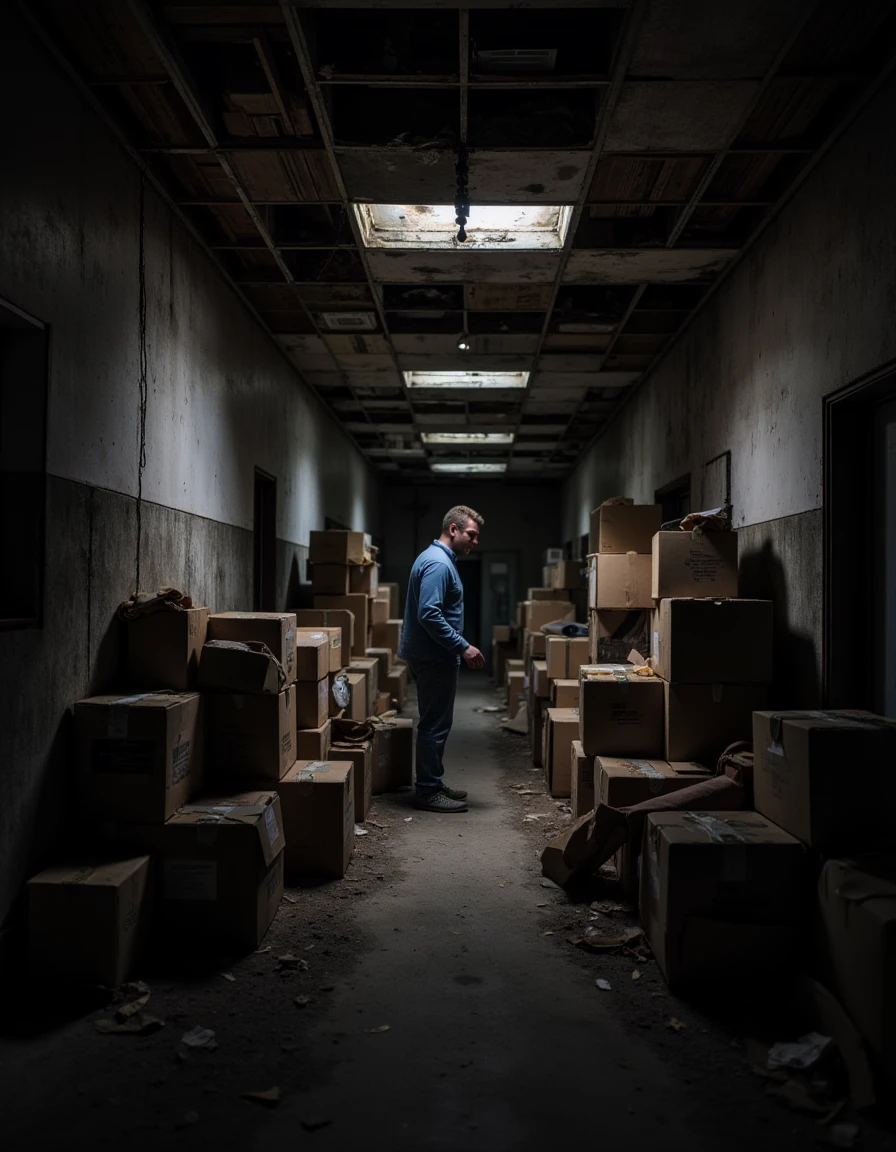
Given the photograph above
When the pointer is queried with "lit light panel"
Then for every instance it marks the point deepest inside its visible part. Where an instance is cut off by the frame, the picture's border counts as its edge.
(473, 439)
(515, 227)
(466, 379)
(468, 466)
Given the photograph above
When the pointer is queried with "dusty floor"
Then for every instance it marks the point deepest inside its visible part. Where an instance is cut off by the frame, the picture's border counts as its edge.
(443, 931)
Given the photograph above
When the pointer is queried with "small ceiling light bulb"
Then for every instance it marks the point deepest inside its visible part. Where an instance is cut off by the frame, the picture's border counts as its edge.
(463, 342)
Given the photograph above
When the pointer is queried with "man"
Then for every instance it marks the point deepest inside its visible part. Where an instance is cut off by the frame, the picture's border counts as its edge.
(432, 644)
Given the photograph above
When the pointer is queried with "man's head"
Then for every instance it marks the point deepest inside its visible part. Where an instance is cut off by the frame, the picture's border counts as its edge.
(460, 529)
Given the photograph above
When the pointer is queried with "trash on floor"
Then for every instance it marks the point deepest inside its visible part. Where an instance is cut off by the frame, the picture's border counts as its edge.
(604, 985)
(799, 1054)
(199, 1038)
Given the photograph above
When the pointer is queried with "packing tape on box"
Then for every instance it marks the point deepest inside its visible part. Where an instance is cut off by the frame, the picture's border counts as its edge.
(270, 823)
(715, 829)
(117, 726)
(645, 768)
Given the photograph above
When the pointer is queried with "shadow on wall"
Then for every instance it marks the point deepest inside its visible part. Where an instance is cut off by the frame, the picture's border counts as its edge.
(797, 681)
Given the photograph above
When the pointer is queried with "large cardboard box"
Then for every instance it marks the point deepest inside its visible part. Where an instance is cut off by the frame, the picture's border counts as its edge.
(621, 528)
(561, 728)
(88, 923)
(502, 634)
(581, 780)
(240, 666)
(703, 719)
(221, 867)
(364, 579)
(139, 757)
(705, 641)
(828, 778)
(612, 635)
(319, 618)
(317, 798)
(619, 582)
(391, 592)
(694, 564)
(564, 693)
(397, 684)
(537, 613)
(548, 593)
(620, 713)
(539, 679)
(276, 629)
(565, 656)
(567, 574)
(387, 635)
(361, 756)
(312, 655)
(516, 689)
(356, 603)
(330, 579)
(335, 546)
(357, 706)
(393, 755)
(857, 915)
(334, 645)
(164, 649)
(254, 736)
(721, 896)
(313, 743)
(379, 611)
(369, 665)
(383, 657)
(511, 666)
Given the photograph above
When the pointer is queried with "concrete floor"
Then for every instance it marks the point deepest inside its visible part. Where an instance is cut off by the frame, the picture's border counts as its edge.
(498, 1039)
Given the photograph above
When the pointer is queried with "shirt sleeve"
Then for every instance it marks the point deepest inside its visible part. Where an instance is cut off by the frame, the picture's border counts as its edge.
(430, 610)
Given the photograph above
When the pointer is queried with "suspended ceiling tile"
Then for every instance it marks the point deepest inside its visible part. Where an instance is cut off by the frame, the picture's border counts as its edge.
(303, 345)
(380, 379)
(508, 297)
(615, 380)
(397, 175)
(564, 379)
(454, 361)
(703, 39)
(321, 379)
(482, 345)
(349, 360)
(677, 116)
(569, 362)
(310, 362)
(542, 177)
(458, 266)
(639, 265)
(359, 345)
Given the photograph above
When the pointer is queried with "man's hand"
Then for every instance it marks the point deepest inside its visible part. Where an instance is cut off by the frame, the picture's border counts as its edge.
(473, 658)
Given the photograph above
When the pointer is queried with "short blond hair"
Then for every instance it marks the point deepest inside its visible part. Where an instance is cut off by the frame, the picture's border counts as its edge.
(460, 515)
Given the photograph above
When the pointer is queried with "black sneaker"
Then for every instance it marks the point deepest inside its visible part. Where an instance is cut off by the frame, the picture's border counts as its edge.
(438, 802)
(454, 793)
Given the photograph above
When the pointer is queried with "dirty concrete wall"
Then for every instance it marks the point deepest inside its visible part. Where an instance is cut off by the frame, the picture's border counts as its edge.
(221, 401)
(809, 309)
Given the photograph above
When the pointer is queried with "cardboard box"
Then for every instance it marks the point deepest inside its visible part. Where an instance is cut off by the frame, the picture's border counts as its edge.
(313, 743)
(694, 564)
(567, 574)
(383, 703)
(255, 736)
(361, 756)
(312, 655)
(548, 593)
(516, 690)
(537, 720)
(561, 728)
(318, 618)
(357, 706)
(538, 678)
(357, 604)
(89, 923)
(565, 693)
(387, 635)
(276, 629)
(317, 798)
(857, 913)
(581, 779)
(393, 755)
(240, 666)
(613, 635)
(330, 579)
(222, 867)
(139, 757)
(621, 783)
(502, 634)
(713, 641)
(620, 528)
(392, 592)
(537, 613)
(334, 546)
(566, 655)
(703, 719)
(363, 579)
(369, 665)
(383, 657)
(511, 666)
(334, 646)
(397, 681)
(619, 582)
(828, 778)
(164, 649)
(535, 648)
(620, 713)
(379, 611)
(720, 896)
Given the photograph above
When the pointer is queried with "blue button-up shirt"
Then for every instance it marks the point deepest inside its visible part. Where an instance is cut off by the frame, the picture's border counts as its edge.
(434, 612)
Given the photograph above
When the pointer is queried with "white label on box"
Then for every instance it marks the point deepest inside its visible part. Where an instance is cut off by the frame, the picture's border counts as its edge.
(656, 645)
(270, 822)
(190, 879)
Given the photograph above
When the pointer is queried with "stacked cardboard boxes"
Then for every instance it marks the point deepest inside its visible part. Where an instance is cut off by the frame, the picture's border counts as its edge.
(619, 593)
(344, 576)
(504, 647)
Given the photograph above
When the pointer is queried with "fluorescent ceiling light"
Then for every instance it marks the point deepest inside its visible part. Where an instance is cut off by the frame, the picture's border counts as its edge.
(466, 379)
(475, 439)
(466, 466)
(490, 226)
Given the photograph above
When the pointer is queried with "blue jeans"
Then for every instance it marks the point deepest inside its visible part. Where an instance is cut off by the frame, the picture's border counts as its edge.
(436, 689)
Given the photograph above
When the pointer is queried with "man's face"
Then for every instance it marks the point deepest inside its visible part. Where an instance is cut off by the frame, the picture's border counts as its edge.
(464, 540)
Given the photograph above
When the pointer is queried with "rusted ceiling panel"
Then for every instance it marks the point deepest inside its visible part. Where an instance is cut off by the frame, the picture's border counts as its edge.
(508, 297)
(537, 177)
(300, 175)
(680, 116)
(454, 266)
(788, 108)
(645, 265)
(358, 345)
(659, 179)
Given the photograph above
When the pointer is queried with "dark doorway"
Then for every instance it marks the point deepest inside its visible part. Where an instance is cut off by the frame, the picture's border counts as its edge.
(674, 498)
(265, 543)
(860, 544)
(470, 571)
